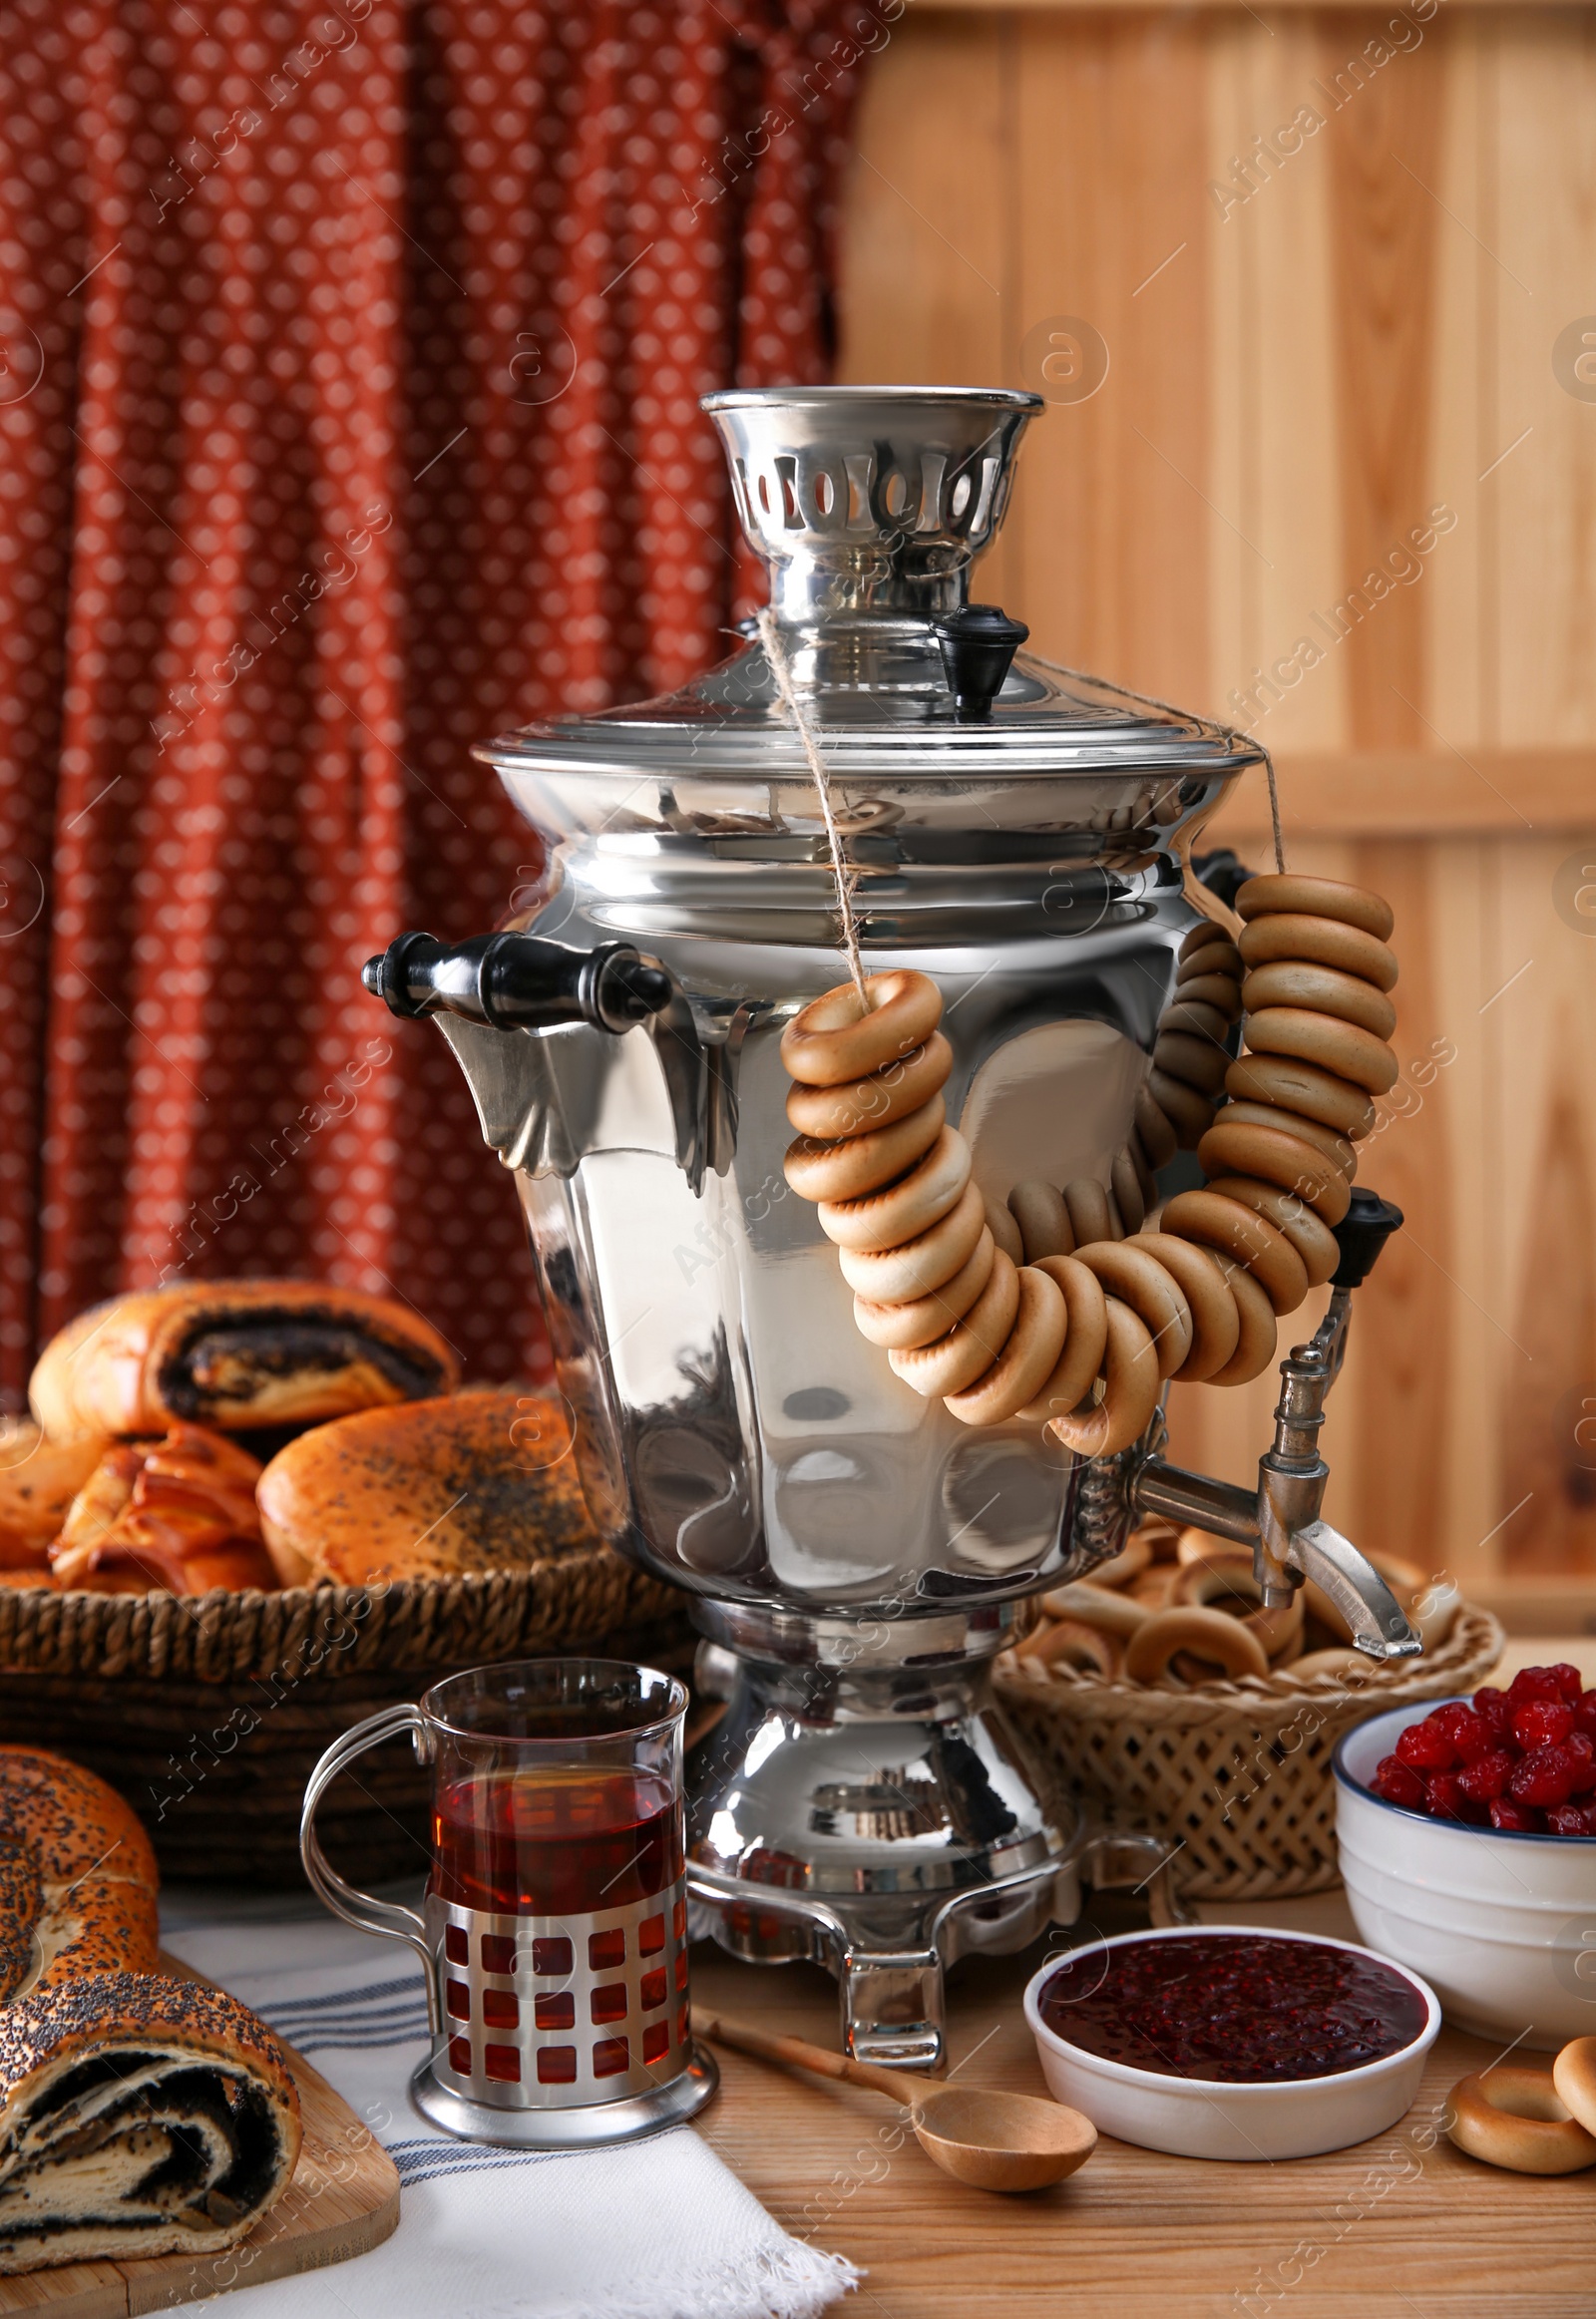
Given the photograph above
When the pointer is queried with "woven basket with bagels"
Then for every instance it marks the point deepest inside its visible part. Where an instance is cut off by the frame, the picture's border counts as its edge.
(1164, 1696)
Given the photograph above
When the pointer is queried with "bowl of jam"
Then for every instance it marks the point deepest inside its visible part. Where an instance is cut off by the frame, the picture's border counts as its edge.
(1225, 2042)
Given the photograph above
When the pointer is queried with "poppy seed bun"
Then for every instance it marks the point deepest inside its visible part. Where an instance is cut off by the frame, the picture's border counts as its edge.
(433, 1489)
(234, 1355)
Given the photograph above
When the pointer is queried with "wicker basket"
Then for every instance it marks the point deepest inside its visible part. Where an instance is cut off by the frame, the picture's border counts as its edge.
(1239, 1771)
(208, 1713)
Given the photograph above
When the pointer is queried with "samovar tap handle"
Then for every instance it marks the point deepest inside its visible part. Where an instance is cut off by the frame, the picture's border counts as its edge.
(519, 982)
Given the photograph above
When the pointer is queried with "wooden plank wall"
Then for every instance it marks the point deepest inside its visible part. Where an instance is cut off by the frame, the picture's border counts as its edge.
(1296, 380)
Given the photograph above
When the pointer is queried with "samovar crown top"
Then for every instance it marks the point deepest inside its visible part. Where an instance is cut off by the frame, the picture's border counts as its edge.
(870, 504)
(870, 500)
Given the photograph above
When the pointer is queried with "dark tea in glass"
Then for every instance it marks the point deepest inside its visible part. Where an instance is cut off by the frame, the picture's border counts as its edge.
(554, 1926)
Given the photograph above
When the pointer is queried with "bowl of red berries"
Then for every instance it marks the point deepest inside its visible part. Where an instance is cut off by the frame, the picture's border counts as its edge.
(1467, 1840)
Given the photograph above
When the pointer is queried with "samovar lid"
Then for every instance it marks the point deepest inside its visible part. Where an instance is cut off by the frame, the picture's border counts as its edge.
(871, 505)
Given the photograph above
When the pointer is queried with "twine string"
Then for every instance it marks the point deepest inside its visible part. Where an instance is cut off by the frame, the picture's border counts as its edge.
(781, 670)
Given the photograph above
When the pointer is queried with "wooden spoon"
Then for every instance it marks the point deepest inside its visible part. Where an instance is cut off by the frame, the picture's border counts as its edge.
(992, 2142)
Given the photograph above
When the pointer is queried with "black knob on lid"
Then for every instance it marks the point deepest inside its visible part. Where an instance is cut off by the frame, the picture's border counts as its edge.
(1361, 1235)
(977, 644)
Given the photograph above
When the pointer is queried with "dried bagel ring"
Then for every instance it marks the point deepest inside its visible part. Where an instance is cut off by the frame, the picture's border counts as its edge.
(1085, 1339)
(1000, 1224)
(924, 1318)
(1216, 990)
(1127, 1192)
(1216, 1330)
(1189, 1113)
(1225, 1580)
(1276, 894)
(1027, 1358)
(1574, 2075)
(858, 1106)
(1287, 1160)
(1130, 1394)
(1313, 1240)
(1154, 1127)
(1217, 955)
(1044, 1220)
(1137, 1277)
(1325, 942)
(1278, 1626)
(1513, 2116)
(831, 1041)
(1340, 1047)
(1312, 1664)
(972, 1344)
(1338, 1148)
(1196, 1017)
(1197, 937)
(1255, 1347)
(1298, 982)
(1205, 1634)
(905, 1209)
(1222, 1575)
(1091, 1218)
(1195, 1062)
(1096, 1606)
(1075, 1644)
(864, 1163)
(1133, 1558)
(1303, 1088)
(1251, 1238)
(896, 1276)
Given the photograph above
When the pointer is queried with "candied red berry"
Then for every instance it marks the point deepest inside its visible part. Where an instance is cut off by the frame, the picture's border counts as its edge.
(1533, 1682)
(1568, 1680)
(1545, 1776)
(1583, 1751)
(1487, 1776)
(1444, 1798)
(1397, 1783)
(1470, 1733)
(1585, 1712)
(1566, 1819)
(1493, 1706)
(1543, 1722)
(1427, 1746)
(1529, 1822)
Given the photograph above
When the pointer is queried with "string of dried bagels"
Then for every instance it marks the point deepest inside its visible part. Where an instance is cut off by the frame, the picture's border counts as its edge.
(1061, 1307)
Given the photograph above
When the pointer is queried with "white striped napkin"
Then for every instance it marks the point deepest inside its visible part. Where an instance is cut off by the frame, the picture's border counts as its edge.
(660, 2230)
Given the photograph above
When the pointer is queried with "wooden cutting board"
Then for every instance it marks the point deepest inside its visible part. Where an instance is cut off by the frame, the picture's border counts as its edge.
(343, 2200)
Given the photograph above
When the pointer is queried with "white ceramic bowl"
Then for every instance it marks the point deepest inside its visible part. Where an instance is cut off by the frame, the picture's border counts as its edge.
(1503, 1925)
(1205, 2117)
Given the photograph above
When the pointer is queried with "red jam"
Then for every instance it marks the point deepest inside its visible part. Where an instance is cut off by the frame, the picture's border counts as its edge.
(1238, 2007)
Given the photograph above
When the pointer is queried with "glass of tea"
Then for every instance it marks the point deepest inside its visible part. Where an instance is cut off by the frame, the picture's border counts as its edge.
(554, 1929)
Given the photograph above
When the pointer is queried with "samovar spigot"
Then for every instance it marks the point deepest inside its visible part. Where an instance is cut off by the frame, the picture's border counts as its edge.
(1281, 1521)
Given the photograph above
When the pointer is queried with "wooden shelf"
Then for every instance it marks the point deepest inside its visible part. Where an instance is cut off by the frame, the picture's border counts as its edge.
(1418, 794)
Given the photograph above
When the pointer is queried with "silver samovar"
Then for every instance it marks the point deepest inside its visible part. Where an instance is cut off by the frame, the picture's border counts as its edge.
(854, 1556)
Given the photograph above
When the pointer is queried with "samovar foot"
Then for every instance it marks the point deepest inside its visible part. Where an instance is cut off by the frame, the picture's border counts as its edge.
(864, 1805)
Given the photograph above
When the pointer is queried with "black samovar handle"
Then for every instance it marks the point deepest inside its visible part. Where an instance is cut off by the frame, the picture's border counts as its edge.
(519, 982)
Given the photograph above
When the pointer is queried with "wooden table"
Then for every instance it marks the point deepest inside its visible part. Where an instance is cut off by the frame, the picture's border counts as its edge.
(1401, 2227)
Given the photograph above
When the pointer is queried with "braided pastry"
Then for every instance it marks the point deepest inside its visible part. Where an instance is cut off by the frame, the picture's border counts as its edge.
(1071, 1307)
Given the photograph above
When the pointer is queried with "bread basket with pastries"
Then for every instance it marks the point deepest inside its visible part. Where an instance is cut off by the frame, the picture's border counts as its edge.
(1164, 1695)
(245, 1514)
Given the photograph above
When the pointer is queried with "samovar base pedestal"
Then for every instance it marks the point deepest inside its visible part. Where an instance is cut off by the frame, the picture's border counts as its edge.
(864, 1805)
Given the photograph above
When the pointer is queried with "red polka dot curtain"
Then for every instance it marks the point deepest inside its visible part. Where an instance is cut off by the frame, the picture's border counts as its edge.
(350, 362)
